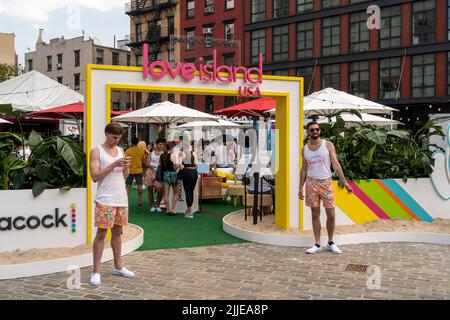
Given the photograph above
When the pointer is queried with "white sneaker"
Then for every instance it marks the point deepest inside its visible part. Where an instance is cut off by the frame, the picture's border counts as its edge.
(158, 209)
(314, 249)
(123, 272)
(334, 248)
(95, 279)
(153, 209)
(189, 216)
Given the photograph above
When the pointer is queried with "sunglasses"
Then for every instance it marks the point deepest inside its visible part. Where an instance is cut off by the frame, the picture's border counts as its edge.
(314, 130)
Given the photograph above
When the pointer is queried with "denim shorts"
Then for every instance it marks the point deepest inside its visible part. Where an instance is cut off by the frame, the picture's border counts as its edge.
(138, 178)
(170, 177)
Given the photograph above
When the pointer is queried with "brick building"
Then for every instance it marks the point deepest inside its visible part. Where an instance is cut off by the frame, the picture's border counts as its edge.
(207, 25)
(404, 64)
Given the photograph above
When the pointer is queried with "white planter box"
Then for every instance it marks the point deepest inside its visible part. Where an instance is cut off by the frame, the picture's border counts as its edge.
(43, 222)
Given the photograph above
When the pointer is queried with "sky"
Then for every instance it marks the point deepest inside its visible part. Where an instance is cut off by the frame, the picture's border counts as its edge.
(98, 18)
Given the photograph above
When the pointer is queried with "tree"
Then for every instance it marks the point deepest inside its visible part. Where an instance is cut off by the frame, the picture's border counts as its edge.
(8, 71)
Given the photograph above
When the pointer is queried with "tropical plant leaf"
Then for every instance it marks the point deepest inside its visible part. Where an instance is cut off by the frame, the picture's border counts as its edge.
(38, 188)
(34, 139)
(68, 154)
(377, 136)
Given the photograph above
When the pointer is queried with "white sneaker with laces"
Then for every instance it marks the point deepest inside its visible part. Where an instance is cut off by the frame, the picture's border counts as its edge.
(123, 272)
(313, 249)
(153, 209)
(158, 209)
(334, 248)
(95, 279)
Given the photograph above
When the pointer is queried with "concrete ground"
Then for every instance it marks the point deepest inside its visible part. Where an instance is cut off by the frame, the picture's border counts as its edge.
(255, 271)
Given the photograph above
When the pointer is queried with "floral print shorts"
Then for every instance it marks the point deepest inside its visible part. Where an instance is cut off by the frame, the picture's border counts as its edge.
(317, 189)
(106, 217)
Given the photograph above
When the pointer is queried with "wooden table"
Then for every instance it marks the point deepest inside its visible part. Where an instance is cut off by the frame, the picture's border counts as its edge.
(236, 192)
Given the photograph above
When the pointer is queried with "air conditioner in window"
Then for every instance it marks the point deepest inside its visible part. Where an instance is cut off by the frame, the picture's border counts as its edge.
(59, 66)
(77, 87)
(207, 30)
(209, 9)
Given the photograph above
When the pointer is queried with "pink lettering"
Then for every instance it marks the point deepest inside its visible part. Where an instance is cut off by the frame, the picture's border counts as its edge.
(173, 72)
(187, 71)
(158, 64)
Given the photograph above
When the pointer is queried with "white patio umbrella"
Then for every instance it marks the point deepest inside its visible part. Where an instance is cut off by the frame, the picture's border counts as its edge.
(368, 118)
(5, 121)
(221, 124)
(164, 113)
(329, 101)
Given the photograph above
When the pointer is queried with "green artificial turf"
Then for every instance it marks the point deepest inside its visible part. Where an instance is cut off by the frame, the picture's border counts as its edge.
(164, 232)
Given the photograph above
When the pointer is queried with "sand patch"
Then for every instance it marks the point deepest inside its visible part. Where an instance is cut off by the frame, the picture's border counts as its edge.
(267, 225)
(23, 256)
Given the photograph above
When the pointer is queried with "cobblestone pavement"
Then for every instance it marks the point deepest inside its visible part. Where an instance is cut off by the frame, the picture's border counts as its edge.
(255, 271)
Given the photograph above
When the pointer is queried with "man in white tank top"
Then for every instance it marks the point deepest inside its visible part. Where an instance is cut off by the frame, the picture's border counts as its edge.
(110, 168)
(318, 156)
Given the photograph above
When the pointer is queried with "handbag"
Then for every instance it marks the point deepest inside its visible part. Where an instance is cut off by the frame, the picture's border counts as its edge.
(159, 174)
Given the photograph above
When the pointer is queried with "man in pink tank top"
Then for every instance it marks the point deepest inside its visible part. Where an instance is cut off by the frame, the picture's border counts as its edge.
(318, 156)
(110, 168)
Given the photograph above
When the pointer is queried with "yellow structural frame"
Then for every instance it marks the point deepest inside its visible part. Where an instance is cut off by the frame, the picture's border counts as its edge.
(282, 178)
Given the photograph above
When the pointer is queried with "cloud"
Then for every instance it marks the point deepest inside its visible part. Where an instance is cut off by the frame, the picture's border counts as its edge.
(39, 10)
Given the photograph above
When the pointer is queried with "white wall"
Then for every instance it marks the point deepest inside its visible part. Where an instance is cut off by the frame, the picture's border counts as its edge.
(22, 203)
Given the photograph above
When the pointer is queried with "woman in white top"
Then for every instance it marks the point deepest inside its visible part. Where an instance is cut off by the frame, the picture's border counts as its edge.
(150, 177)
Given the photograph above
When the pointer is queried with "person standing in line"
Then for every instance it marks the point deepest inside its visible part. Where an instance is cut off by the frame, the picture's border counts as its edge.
(318, 156)
(169, 168)
(189, 177)
(136, 155)
(150, 176)
(109, 168)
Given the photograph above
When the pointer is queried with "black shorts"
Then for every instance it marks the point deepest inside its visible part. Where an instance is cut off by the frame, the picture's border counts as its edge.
(138, 178)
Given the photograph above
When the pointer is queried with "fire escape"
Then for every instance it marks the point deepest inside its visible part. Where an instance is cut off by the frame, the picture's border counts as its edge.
(153, 37)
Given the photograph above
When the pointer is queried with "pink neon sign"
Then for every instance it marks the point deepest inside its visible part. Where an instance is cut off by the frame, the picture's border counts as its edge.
(206, 72)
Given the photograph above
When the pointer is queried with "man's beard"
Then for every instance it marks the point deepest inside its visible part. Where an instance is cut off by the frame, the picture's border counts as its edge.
(315, 137)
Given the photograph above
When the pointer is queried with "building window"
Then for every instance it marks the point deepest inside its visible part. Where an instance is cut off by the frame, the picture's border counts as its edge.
(305, 35)
(307, 74)
(115, 59)
(209, 104)
(423, 75)
(390, 69)
(359, 33)
(330, 3)
(280, 8)
(331, 36)
(331, 76)
(59, 64)
(424, 22)
(30, 65)
(229, 101)
(208, 32)
(229, 32)
(190, 35)
(139, 60)
(229, 4)
(391, 27)
(258, 39)
(139, 32)
(190, 102)
(357, 1)
(448, 73)
(281, 43)
(171, 53)
(128, 60)
(209, 7)
(208, 59)
(60, 80)
(99, 56)
(258, 10)
(228, 59)
(448, 20)
(138, 100)
(49, 63)
(305, 5)
(76, 81)
(359, 79)
(171, 97)
(77, 58)
(190, 9)
(284, 72)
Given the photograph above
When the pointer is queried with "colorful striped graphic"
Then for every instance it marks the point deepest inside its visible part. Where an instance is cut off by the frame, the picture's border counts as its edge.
(378, 199)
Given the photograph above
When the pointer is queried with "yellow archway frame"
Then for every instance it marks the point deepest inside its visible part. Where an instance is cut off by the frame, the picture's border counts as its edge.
(283, 177)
